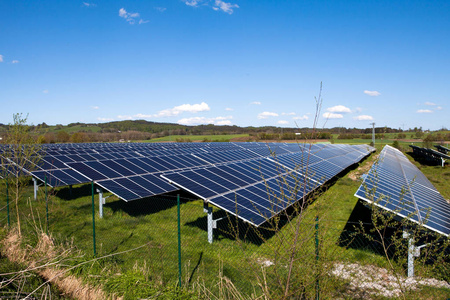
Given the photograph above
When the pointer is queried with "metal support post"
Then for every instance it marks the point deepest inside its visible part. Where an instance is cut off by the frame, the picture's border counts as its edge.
(210, 224)
(411, 248)
(35, 185)
(101, 201)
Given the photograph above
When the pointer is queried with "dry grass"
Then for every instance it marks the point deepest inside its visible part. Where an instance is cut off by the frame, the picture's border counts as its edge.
(44, 260)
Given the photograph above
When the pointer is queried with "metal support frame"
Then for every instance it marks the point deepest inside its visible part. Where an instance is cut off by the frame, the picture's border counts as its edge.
(212, 224)
(413, 251)
(101, 201)
(35, 187)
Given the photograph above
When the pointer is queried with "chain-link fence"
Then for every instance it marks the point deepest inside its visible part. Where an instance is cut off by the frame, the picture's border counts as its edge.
(162, 246)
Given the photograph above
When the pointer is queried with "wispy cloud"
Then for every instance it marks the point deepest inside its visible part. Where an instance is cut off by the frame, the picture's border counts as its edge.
(160, 9)
(330, 115)
(193, 3)
(1, 58)
(95, 107)
(130, 17)
(430, 103)
(255, 103)
(283, 122)
(266, 114)
(424, 111)
(229, 109)
(105, 119)
(339, 109)
(203, 120)
(45, 91)
(304, 117)
(15, 61)
(224, 6)
(192, 108)
(372, 93)
(363, 118)
(288, 114)
(439, 108)
(87, 4)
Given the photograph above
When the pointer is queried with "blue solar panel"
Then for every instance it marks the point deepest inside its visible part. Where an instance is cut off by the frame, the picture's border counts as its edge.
(396, 185)
(258, 189)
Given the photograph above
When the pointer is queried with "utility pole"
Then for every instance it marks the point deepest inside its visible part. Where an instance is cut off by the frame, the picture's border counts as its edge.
(373, 133)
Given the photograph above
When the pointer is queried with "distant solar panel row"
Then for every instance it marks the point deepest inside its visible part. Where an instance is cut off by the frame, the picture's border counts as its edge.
(395, 184)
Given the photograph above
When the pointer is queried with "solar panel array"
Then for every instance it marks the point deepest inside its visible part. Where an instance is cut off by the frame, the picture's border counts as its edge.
(398, 186)
(255, 181)
(257, 189)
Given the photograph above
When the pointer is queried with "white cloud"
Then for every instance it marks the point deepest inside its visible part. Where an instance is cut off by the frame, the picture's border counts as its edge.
(304, 117)
(192, 108)
(143, 21)
(283, 122)
(87, 4)
(330, 115)
(363, 118)
(266, 114)
(372, 93)
(255, 103)
(288, 114)
(430, 103)
(1, 58)
(45, 91)
(229, 109)
(161, 9)
(439, 108)
(339, 109)
(122, 117)
(424, 111)
(105, 119)
(225, 6)
(15, 61)
(193, 3)
(130, 17)
(203, 120)
(95, 107)
(142, 116)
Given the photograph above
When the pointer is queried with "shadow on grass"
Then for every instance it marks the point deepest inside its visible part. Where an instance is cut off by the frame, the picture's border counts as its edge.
(69, 193)
(141, 207)
(352, 236)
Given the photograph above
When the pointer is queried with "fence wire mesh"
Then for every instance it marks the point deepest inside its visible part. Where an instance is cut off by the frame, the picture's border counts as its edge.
(297, 256)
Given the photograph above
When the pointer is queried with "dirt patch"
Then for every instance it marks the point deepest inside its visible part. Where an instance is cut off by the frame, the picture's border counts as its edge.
(43, 260)
(362, 169)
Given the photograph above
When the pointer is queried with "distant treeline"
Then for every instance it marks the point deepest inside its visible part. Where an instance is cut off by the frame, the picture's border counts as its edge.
(145, 130)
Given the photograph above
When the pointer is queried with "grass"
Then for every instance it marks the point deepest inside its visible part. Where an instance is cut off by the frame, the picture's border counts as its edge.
(150, 227)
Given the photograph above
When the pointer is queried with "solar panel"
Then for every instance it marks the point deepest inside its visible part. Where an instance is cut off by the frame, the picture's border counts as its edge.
(396, 185)
(255, 190)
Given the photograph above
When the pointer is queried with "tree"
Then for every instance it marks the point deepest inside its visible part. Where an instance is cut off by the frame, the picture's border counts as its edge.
(21, 154)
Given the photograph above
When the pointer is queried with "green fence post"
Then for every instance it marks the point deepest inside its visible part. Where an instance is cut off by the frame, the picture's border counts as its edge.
(46, 200)
(93, 218)
(317, 259)
(7, 203)
(179, 240)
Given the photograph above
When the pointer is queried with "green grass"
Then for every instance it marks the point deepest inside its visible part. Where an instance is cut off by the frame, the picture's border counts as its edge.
(151, 224)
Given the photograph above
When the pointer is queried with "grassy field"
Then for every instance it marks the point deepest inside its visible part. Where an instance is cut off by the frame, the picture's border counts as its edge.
(149, 226)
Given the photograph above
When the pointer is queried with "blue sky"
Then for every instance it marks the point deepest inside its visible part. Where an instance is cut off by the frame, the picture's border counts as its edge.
(230, 62)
